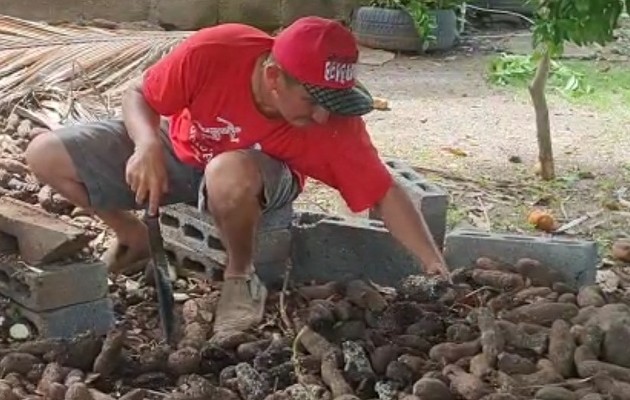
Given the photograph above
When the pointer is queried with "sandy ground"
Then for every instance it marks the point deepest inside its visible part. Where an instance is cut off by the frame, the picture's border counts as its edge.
(443, 102)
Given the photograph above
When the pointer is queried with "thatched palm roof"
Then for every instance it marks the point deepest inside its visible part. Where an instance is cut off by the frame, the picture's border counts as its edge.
(61, 74)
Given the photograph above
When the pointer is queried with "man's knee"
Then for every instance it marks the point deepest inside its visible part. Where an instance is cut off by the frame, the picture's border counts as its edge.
(231, 178)
(46, 155)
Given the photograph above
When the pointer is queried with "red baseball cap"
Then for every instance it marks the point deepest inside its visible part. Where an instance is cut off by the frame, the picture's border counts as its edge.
(323, 55)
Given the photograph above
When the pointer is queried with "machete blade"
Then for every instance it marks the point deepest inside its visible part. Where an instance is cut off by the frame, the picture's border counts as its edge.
(159, 263)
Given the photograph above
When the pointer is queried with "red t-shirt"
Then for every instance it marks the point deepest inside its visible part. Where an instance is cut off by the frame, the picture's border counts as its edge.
(203, 85)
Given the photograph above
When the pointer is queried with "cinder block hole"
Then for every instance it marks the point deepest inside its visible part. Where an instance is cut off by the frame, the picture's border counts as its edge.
(169, 220)
(519, 238)
(8, 244)
(423, 186)
(408, 176)
(192, 232)
(309, 218)
(14, 284)
(193, 265)
(394, 164)
(215, 243)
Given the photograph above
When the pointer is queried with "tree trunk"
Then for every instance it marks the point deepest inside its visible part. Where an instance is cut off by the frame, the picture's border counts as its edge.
(543, 129)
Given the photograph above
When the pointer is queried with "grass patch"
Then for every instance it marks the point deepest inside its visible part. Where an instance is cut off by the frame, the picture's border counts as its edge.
(602, 85)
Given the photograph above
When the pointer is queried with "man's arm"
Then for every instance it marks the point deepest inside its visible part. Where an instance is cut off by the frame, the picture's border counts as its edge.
(141, 121)
(409, 227)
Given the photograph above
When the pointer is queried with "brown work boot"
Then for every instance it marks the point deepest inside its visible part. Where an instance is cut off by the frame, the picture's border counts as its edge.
(241, 305)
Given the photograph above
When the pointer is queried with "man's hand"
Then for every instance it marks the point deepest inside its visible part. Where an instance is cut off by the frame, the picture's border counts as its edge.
(409, 227)
(438, 268)
(146, 174)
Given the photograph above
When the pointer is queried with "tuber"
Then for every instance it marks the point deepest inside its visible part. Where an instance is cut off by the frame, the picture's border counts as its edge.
(497, 279)
(333, 377)
(78, 391)
(365, 296)
(466, 385)
(17, 362)
(448, 353)
(109, 357)
(492, 341)
(542, 313)
(562, 348)
(432, 389)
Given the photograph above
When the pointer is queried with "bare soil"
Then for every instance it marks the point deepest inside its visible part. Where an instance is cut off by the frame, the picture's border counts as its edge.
(445, 116)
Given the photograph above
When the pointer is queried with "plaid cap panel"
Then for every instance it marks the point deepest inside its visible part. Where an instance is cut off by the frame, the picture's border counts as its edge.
(355, 101)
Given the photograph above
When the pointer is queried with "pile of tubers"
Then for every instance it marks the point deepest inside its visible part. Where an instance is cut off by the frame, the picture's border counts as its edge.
(498, 332)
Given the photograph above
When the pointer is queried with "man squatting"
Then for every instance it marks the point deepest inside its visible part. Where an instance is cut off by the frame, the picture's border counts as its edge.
(233, 119)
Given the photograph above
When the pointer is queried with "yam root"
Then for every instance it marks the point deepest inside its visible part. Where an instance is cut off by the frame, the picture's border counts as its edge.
(320, 292)
(562, 348)
(590, 296)
(78, 391)
(554, 393)
(498, 279)
(431, 388)
(449, 353)
(184, 361)
(621, 250)
(479, 366)
(382, 356)
(542, 313)
(538, 274)
(6, 392)
(515, 364)
(53, 373)
(365, 296)
(333, 377)
(135, 394)
(492, 341)
(490, 264)
(315, 343)
(466, 385)
(545, 375)
(516, 337)
(20, 363)
(588, 368)
(321, 317)
(109, 357)
(532, 293)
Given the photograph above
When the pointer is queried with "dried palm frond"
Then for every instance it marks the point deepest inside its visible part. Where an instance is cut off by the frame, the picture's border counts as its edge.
(62, 74)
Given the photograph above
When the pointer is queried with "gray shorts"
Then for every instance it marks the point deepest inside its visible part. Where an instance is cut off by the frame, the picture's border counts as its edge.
(100, 150)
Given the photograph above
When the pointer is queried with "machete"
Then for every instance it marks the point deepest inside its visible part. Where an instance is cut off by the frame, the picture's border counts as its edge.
(159, 264)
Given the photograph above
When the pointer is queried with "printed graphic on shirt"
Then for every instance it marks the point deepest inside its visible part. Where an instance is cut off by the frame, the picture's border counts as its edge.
(216, 133)
(199, 135)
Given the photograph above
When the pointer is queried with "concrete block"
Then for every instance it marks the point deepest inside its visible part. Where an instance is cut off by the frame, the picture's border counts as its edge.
(202, 264)
(66, 322)
(185, 14)
(264, 14)
(428, 198)
(41, 237)
(577, 260)
(329, 248)
(211, 263)
(53, 286)
(184, 224)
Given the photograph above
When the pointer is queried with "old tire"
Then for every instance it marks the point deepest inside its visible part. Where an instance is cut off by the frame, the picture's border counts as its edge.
(386, 29)
(445, 32)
